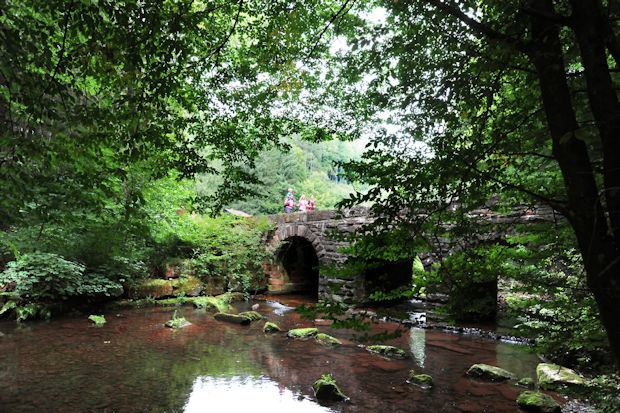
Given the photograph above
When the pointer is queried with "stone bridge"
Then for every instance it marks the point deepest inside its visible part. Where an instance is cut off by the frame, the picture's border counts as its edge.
(301, 241)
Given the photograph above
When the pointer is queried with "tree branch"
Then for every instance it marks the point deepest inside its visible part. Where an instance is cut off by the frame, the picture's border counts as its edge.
(219, 48)
(331, 21)
(480, 28)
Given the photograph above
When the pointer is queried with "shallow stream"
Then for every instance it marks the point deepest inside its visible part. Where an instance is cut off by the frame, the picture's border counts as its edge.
(136, 364)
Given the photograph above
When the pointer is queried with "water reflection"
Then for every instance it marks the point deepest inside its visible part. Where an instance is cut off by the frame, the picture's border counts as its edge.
(417, 344)
(248, 394)
(134, 363)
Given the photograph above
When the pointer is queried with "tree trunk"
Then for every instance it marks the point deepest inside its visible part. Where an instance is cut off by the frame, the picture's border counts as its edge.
(602, 98)
(584, 209)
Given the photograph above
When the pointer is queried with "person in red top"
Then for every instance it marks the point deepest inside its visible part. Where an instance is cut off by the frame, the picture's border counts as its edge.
(311, 203)
(289, 202)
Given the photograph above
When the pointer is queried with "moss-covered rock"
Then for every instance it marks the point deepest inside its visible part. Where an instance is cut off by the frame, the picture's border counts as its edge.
(232, 318)
(533, 401)
(177, 322)
(555, 377)
(325, 388)
(152, 287)
(526, 382)
(302, 333)
(188, 286)
(422, 380)
(252, 315)
(99, 320)
(218, 304)
(491, 373)
(387, 351)
(327, 340)
(271, 327)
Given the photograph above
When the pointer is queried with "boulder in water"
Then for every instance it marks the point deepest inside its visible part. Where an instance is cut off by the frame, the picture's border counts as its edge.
(387, 351)
(555, 377)
(302, 333)
(533, 401)
(252, 315)
(325, 388)
(327, 340)
(423, 380)
(232, 318)
(491, 373)
(271, 327)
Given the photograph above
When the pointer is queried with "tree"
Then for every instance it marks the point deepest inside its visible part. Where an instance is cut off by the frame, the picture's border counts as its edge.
(89, 89)
(518, 98)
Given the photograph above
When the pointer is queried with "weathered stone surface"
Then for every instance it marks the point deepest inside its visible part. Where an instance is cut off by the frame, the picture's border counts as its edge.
(533, 401)
(271, 327)
(252, 315)
(214, 285)
(189, 286)
(152, 287)
(387, 351)
(555, 377)
(302, 333)
(325, 388)
(232, 318)
(327, 340)
(487, 372)
(422, 380)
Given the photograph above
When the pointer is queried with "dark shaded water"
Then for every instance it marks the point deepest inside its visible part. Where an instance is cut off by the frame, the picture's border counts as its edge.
(135, 364)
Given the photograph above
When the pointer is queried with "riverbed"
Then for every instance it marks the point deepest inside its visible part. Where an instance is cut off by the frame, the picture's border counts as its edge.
(133, 363)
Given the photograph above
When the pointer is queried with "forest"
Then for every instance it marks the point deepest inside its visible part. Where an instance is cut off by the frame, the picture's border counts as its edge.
(128, 126)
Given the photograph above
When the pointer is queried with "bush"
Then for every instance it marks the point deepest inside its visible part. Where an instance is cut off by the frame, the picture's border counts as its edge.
(37, 280)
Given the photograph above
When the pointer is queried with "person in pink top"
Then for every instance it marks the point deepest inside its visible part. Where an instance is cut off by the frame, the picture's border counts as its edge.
(303, 204)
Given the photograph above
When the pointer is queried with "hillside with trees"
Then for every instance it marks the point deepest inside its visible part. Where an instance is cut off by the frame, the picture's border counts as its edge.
(309, 168)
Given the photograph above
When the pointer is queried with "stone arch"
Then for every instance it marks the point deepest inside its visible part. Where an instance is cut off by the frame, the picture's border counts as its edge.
(297, 252)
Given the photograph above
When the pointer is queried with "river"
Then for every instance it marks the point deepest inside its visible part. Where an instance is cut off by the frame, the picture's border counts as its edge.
(136, 364)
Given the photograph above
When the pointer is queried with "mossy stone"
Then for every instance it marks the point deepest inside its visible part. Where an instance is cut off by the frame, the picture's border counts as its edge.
(99, 320)
(232, 318)
(327, 340)
(271, 327)
(252, 315)
(533, 401)
(215, 303)
(325, 388)
(302, 333)
(492, 373)
(189, 286)
(177, 322)
(423, 380)
(387, 351)
(155, 288)
(526, 382)
(555, 377)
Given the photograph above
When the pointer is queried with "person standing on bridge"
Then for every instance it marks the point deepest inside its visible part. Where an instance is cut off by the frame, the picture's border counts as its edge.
(289, 201)
(303, 204)
(311, 203)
